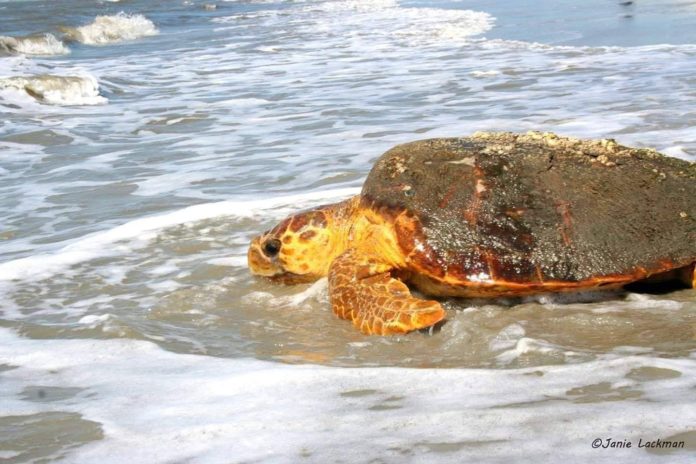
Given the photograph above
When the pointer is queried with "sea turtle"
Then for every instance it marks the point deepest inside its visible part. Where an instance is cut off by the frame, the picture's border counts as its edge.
(494, 214)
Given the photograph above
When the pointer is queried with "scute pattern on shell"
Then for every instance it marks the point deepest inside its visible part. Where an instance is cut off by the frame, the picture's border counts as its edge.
(537, 207)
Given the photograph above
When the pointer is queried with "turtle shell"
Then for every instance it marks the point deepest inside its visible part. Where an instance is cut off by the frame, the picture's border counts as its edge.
(536, 208)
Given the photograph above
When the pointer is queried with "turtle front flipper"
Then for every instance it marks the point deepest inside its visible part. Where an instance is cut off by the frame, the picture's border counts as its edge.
(363, 290)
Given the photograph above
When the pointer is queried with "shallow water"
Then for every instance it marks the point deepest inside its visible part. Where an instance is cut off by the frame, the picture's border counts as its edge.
(134, 170)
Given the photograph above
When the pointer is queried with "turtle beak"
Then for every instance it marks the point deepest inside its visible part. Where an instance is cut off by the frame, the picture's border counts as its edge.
(259, 263)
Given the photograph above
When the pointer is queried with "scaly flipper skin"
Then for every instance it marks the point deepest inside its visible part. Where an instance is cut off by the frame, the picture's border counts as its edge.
(362, 289)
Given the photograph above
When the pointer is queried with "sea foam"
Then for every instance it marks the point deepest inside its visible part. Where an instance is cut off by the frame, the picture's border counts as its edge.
(54, 90)
(46, 44)
(94, 245)
(415, 26)
(112, 29)
(158, 406)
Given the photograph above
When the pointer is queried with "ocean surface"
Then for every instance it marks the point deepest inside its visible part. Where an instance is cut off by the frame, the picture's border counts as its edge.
(143, 143)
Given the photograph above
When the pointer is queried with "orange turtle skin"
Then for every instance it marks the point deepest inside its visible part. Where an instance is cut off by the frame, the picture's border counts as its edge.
(494, 214)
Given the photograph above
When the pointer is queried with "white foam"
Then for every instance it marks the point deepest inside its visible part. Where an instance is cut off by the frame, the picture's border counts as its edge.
(507, 338)
(489, 73)
(318, 291)
(386, 19)
(444, 25)
(157, 406)
(94, 320)
(232, 261)
(524, 346)
(53, 90)
(112, 29)
(46, 44)
(142, 230)
(157, 185)
(679, 151)
(361, 6)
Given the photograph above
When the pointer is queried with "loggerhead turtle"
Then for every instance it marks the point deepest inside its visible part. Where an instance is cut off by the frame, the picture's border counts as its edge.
(494, 214)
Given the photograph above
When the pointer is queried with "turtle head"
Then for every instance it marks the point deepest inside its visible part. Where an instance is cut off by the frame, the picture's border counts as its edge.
(301, 247)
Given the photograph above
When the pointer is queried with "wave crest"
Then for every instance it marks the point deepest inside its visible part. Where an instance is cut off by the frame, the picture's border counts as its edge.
(45, 44)
(112, 29)
(56, 90)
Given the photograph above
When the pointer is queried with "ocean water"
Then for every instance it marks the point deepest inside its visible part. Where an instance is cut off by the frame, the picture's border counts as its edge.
(143, 143)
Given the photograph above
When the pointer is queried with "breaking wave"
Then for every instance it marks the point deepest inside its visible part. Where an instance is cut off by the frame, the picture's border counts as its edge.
(379, 20)
(112, 29)
(46, 44)
(55, 90)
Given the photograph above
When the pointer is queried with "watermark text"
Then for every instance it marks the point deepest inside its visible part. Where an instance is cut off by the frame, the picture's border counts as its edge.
(613, 443)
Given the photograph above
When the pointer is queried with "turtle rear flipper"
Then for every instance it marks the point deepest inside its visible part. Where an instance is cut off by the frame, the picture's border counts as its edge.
(362, 289)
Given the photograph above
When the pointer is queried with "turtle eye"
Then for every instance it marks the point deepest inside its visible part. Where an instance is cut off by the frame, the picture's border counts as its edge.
(271, 247)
